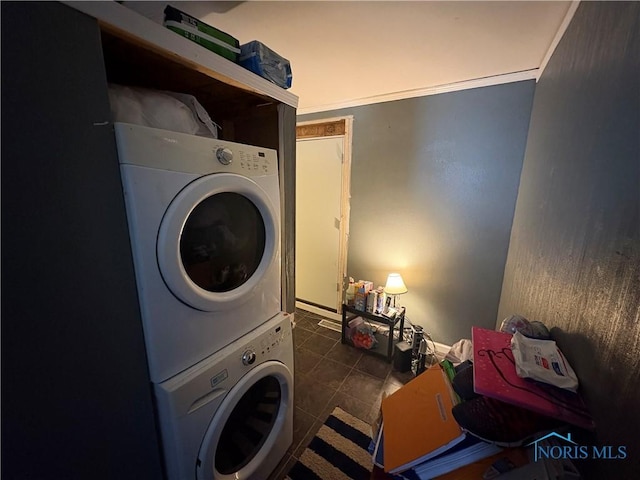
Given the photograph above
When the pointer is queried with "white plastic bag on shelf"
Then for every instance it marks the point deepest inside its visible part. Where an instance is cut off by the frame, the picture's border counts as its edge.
(177, 112)
(542, 360)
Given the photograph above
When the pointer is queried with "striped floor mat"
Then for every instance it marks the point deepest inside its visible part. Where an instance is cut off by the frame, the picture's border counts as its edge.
(337, 452)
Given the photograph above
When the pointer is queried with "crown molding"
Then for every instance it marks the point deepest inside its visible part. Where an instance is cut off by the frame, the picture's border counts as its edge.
(421, 92)
(559, 34)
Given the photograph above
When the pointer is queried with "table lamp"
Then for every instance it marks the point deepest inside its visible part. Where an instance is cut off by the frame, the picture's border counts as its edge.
(395, 286)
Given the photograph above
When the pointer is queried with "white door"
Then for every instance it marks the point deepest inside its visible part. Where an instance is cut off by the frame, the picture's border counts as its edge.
(318, 214)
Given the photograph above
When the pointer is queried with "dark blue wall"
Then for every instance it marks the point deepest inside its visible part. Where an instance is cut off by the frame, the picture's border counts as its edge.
(76, 395)
(574, 255)
(434, 182)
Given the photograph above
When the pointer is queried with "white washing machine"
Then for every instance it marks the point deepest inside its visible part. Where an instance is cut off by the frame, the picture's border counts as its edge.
(231, 415)
(204, 221)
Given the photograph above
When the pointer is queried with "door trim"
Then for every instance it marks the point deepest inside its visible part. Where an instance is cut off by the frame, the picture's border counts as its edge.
(328, 127)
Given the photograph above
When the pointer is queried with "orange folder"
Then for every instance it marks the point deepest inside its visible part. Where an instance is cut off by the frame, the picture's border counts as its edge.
(418, 423)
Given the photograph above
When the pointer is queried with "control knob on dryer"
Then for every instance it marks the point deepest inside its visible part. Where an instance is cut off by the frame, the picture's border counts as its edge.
(224, 155)
(248, 357)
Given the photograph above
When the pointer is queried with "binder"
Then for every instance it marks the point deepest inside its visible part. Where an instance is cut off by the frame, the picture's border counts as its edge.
(418, 424)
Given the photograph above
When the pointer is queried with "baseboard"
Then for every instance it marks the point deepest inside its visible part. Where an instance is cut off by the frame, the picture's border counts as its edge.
(318, 311)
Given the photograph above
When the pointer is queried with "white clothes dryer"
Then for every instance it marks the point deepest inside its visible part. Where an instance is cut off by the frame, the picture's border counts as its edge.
(204, 222)
(231, 415)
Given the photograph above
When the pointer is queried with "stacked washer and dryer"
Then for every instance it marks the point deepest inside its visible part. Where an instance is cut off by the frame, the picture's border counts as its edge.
(204, 220)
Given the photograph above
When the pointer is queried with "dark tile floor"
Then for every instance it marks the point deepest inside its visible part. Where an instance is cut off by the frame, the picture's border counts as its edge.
(329, 374)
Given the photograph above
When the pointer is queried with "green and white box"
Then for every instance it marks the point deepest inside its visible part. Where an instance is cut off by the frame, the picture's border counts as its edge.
(209, 37)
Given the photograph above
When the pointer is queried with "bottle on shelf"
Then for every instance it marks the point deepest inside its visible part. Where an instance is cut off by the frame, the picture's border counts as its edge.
(350, 294)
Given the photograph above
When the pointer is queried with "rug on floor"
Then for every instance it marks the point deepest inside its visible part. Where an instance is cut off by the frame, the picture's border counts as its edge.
(337, 452)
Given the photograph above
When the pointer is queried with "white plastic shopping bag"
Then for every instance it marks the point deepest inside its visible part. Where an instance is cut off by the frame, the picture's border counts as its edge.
(542, 360)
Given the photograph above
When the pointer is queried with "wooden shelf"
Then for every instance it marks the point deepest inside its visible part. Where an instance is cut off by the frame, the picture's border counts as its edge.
(130, 64)
(150, 40)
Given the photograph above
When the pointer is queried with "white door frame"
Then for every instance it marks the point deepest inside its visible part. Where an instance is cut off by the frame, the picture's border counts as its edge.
(345, 211)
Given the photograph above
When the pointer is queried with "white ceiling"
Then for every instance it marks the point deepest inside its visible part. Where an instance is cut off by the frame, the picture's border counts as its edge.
(356, 52)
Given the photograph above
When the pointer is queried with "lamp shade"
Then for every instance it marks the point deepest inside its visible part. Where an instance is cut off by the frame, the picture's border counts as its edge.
(395, 285)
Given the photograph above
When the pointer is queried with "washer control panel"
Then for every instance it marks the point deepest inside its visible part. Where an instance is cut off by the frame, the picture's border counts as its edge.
(181, 152)
(244, 159)
(254, 161)
(265, 345)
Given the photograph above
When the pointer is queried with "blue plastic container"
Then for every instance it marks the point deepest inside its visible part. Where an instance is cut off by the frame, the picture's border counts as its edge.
(260, 59)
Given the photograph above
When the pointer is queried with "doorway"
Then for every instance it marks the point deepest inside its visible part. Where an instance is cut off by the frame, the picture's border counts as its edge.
(323, 171)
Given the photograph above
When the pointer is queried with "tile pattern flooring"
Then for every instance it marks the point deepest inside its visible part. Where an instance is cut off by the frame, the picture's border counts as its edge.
(329, 374)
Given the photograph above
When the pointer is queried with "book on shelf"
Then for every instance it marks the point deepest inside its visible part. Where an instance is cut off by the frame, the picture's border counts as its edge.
(418, 424)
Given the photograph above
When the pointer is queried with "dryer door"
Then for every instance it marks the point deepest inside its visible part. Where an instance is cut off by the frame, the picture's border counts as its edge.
(217, 240)
(252, 429)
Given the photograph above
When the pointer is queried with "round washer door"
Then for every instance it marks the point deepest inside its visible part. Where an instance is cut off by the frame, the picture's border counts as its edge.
(217, 239)
(247, 424)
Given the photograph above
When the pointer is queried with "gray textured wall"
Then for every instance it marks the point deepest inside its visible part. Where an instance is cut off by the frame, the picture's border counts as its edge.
(434, 183)
(574, 257)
